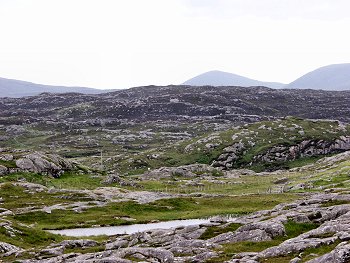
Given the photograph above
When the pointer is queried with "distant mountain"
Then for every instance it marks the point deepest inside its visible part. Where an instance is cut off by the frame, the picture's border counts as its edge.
(220, 78)
(332, 77)
(17, 88)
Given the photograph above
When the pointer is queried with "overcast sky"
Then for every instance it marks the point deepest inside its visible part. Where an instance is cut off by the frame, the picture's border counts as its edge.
(125, 43)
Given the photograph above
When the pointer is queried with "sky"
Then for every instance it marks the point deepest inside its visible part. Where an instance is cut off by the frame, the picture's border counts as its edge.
(126, 43)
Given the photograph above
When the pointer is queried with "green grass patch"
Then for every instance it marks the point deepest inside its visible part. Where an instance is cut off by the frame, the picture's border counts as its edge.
(72, 180)
(17, 197)
(295, 229)
(68, 180)
(336, 180)
(8, 164)
(28, 237)
(335, 202)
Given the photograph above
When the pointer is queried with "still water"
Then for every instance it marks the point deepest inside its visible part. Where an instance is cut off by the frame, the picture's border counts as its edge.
(128, 229)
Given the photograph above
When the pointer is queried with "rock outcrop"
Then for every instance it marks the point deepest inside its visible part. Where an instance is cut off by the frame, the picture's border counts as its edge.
(307, 148)
(282, 153)
(35, 162)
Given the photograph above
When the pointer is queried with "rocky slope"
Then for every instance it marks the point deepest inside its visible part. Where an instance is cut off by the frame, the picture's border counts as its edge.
(180, 102)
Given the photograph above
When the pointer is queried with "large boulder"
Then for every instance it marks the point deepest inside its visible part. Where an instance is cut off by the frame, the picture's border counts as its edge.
(50, 164)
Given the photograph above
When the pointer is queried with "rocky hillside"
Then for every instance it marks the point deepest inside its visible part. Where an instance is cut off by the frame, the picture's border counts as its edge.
(272, 145)
(179, 102)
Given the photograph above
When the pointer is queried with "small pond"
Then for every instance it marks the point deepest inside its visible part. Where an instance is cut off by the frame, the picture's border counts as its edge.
(127, 229)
